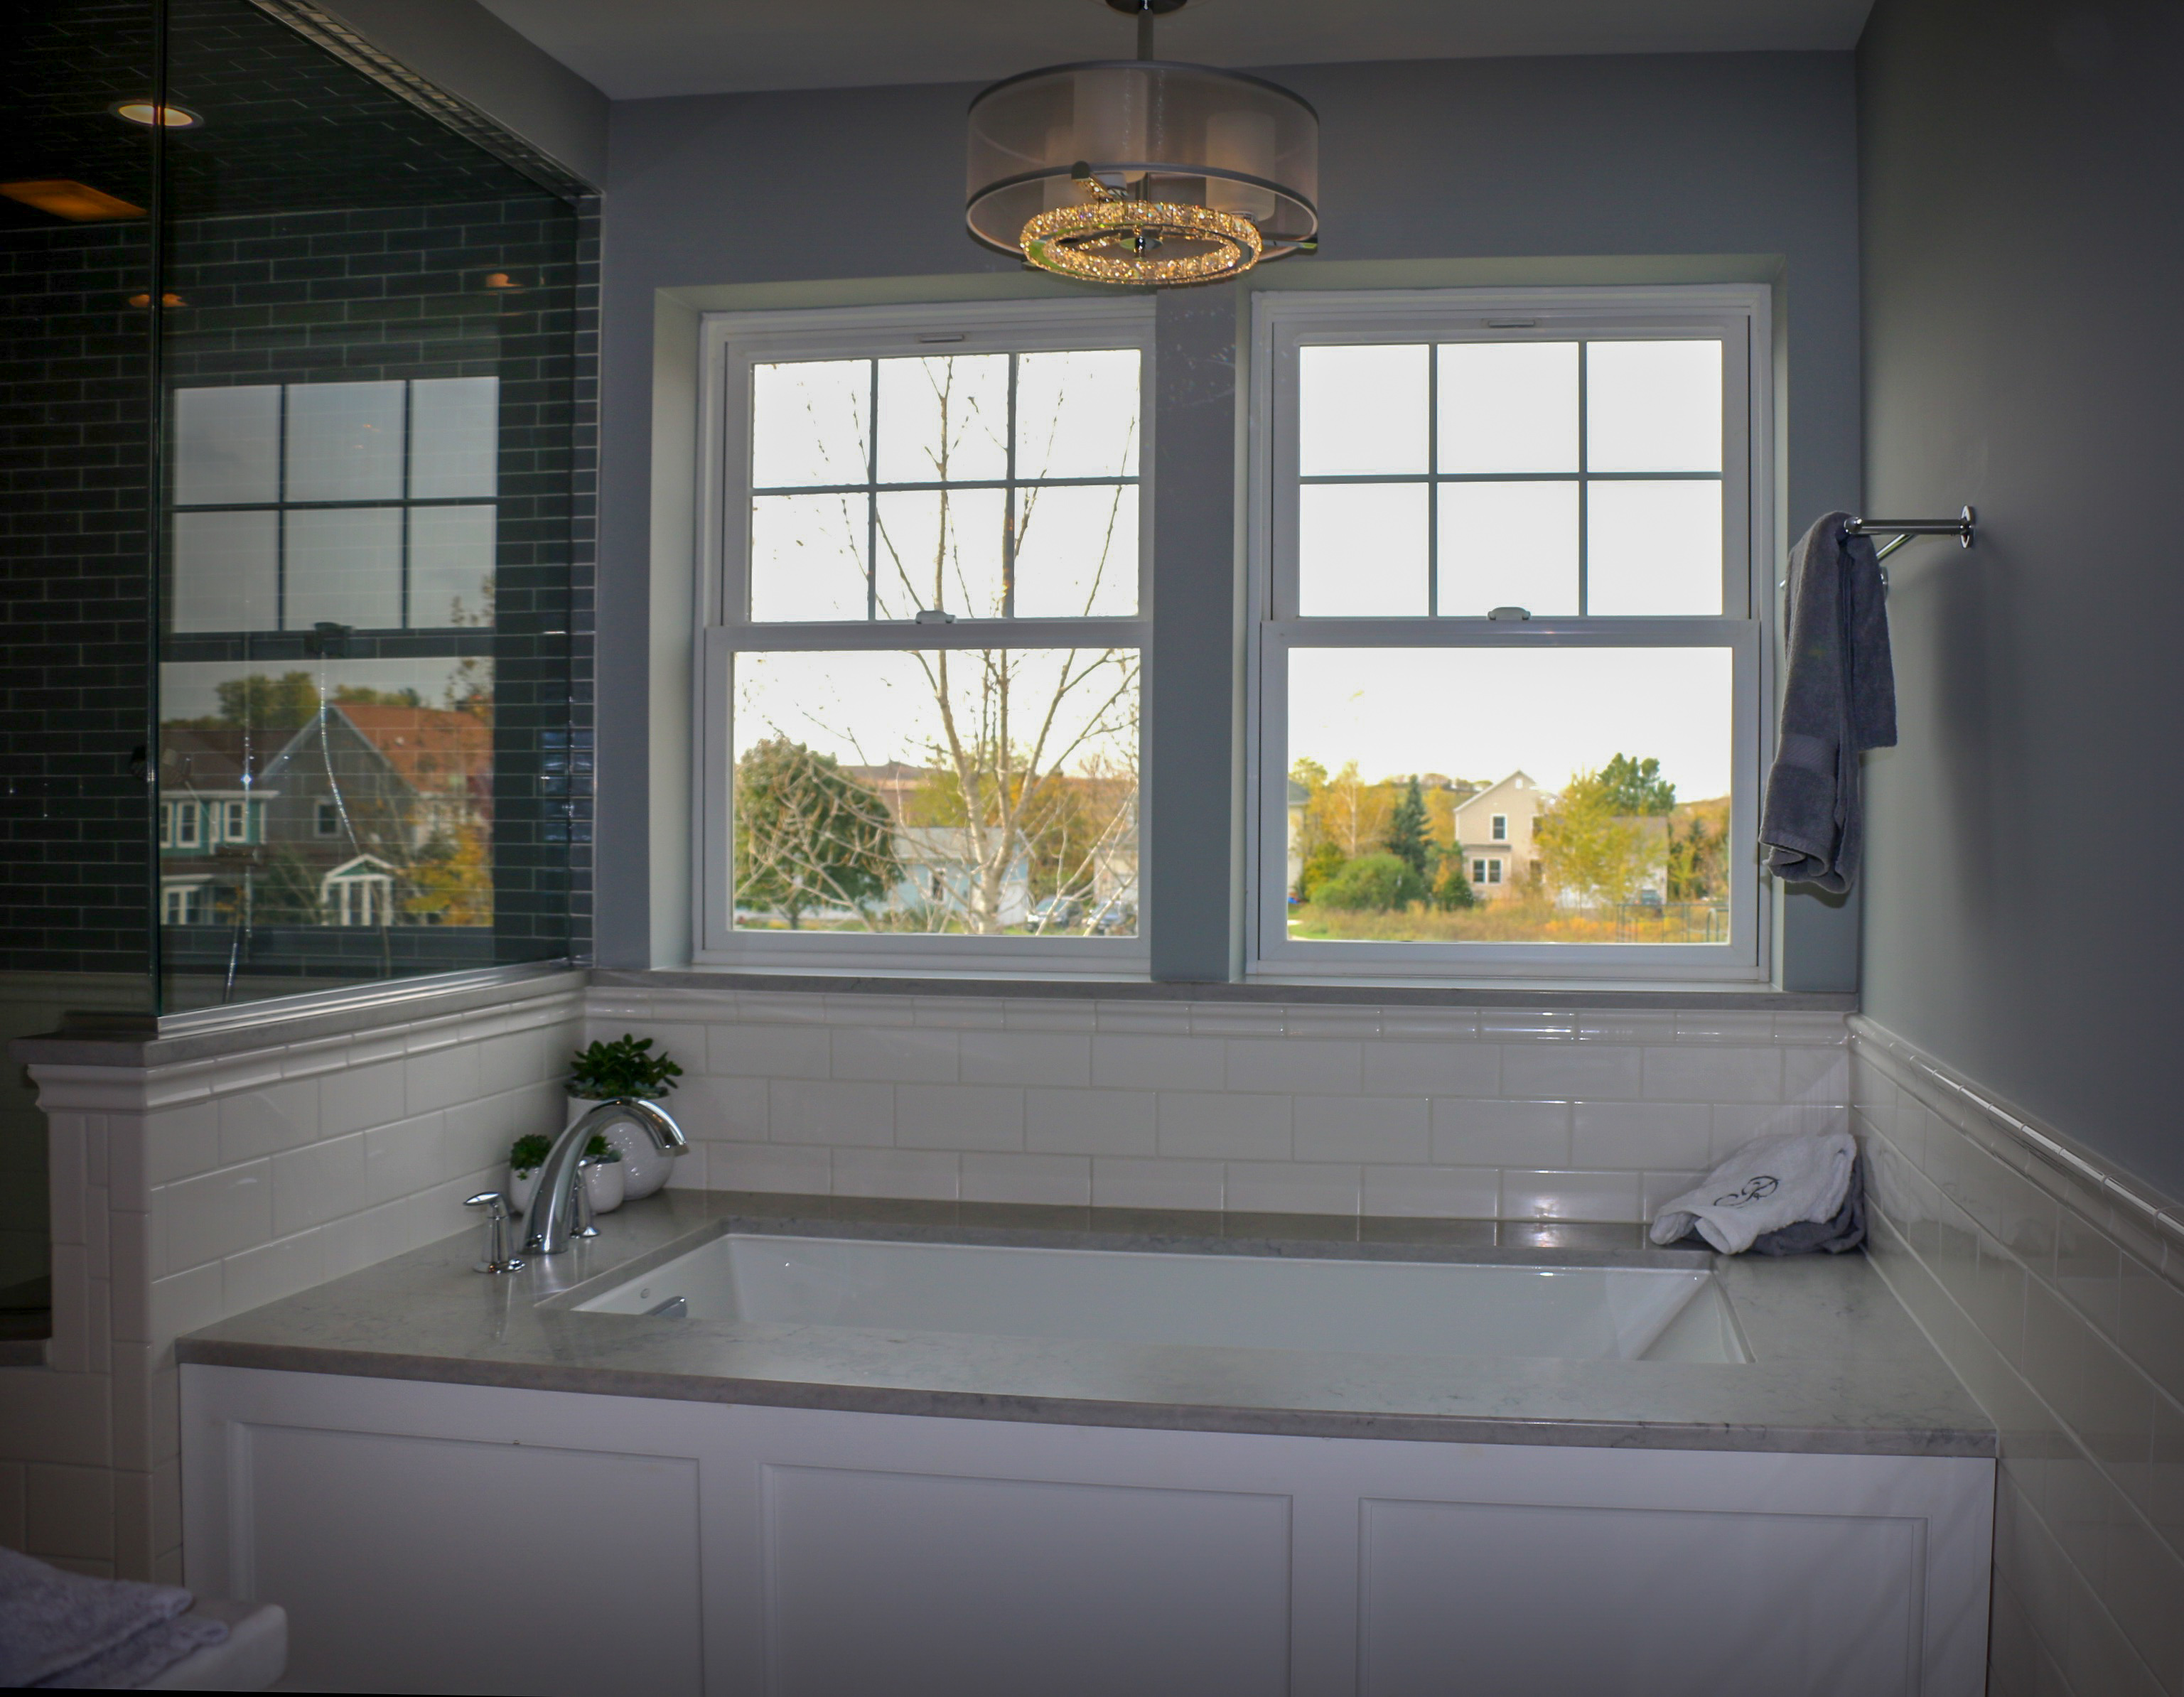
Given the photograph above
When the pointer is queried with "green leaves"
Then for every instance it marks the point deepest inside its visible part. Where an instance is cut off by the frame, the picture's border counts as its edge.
(625, 1067)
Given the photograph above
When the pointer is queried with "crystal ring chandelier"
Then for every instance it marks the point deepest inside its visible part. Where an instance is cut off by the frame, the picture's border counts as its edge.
(1142, 171)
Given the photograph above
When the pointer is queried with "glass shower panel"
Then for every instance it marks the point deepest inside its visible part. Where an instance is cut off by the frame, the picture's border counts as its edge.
(364, 721)
(77, 342)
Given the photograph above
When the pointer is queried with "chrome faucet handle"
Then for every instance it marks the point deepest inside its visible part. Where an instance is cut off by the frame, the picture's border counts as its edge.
(581, 1221)
(497, 1257)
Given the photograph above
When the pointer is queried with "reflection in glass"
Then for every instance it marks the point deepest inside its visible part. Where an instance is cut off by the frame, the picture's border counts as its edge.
(227, 446)
(807, 557)
(1653, 406)
(808, 423)
(1654, 548)
(943, 418)
(344, 441)
(1574, 795)
(227, 572)
(455, 436)
(1508, 545)
(987, 793)
(1507, 406)
(343, 564)
(1361, 550)
(1077, 551)
(451, 551)
(1361, 410)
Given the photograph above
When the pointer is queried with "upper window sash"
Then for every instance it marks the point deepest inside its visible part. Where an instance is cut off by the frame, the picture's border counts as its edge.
(1288, 324)
(736, 342)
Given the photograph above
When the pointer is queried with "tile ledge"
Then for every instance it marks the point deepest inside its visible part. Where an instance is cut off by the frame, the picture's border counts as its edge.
(2158, 1213)
(1260, 991)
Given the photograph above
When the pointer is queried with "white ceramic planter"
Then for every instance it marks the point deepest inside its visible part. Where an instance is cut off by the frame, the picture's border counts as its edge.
(644, 1168)
(603, 1184)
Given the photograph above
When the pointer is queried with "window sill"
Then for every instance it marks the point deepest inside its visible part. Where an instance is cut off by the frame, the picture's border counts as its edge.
(1695, 998)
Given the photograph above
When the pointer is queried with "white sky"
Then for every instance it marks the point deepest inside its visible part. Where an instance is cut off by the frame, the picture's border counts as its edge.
(1480, 713)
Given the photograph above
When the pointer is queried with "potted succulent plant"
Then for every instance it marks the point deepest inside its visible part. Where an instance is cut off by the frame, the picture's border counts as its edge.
(627, 1066)
(524, 1160)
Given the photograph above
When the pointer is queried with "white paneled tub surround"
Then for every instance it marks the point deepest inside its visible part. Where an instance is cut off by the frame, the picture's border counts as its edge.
(1136, 1296)
(431, 1537)
(1277, 1469)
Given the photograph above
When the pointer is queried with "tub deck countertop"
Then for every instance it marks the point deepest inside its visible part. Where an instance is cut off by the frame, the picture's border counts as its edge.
(1838, 1365)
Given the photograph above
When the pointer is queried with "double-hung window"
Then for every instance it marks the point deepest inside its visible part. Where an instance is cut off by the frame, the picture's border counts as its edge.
(926, 600)
(1508, 539)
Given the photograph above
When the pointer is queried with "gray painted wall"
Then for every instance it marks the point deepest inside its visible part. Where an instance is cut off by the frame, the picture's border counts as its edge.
(1733, 165)
(467, 51)
(2023, 166)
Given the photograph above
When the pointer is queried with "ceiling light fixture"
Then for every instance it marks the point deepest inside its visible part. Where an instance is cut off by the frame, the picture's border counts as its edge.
(149, 113)
(78, 203)
(1143, 171)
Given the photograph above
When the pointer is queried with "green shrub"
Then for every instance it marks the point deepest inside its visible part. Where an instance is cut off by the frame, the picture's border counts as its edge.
(1372, 883)
(1321, 864)
(530, 1152)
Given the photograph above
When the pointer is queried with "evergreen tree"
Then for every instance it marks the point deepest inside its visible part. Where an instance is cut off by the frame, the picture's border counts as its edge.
(1410, 834)
(807, 834)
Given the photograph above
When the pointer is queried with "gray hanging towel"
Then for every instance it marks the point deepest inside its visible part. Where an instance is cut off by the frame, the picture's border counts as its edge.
(1839, 701)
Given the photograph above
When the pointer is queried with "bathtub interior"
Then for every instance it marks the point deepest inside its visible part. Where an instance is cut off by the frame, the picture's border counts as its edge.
(1208, 1300)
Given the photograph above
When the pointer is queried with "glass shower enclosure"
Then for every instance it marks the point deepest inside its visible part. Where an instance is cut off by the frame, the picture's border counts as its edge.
(290, 501)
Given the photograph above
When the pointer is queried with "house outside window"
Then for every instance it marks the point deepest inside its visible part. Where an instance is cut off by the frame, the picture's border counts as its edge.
(927, 609)
(1549, 504)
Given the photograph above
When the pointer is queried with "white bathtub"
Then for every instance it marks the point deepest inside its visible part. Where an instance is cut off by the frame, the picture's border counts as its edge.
(1377, 1307)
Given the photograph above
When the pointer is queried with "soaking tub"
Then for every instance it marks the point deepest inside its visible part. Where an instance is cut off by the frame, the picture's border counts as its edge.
(1260, 1302)
(818, 1446)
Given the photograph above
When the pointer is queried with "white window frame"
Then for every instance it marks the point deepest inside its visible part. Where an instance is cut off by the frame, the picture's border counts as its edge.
(166, 825)
(1497, 827)
(1284, 321)
(189, 825)
(730, 343)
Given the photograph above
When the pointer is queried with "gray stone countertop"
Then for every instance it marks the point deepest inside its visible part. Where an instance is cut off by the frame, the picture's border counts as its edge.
(1838, 1367)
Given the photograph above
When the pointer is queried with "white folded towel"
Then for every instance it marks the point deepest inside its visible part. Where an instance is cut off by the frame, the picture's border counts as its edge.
(1768, 1184)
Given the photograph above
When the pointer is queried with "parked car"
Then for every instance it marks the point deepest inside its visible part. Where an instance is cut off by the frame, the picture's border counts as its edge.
(1055, 913)
(1116, 917)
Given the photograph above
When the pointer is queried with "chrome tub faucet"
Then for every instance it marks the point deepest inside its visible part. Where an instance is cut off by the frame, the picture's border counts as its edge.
(554, 1212)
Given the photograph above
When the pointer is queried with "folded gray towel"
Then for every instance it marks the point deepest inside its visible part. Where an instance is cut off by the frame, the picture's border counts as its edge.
(62, 1629)
(1839, 700)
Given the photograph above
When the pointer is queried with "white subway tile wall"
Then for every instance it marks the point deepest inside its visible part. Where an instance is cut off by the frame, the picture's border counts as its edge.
(1586, 1115)
(191, 1191)
(2056, 1290)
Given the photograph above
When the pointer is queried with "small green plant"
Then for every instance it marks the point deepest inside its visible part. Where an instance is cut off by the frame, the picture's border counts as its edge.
(600, 1150)
(530, 1153)
(625, 1067)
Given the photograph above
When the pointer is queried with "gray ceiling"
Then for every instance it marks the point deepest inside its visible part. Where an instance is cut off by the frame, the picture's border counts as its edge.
(632, 49)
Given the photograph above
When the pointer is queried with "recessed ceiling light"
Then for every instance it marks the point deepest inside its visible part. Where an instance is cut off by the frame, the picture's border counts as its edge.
(150, 112)
(76, 202)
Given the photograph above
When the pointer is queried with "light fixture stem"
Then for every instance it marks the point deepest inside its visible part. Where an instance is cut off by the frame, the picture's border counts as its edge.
(1145, 29)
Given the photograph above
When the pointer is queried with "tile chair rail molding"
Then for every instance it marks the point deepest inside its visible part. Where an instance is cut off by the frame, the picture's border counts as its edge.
(188, 1187)
(2054, 1287)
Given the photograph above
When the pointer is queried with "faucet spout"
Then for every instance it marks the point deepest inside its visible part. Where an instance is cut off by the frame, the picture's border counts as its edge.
(552, 1203)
